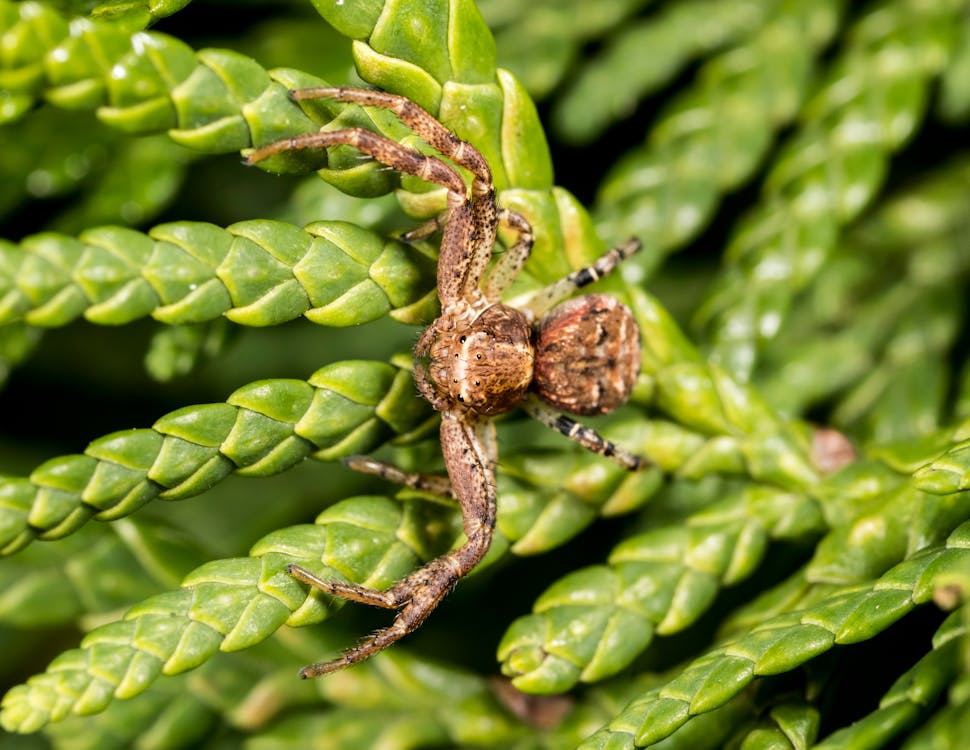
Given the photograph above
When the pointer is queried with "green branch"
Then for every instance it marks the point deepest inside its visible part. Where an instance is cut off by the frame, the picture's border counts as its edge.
(263, 428)
(612, 83)
(714, 135)
(871, 102)
(778, 645)
(232, 604)
(912, 697)
(852, 320)
(749, 435)
(256, 273)
(594, 622)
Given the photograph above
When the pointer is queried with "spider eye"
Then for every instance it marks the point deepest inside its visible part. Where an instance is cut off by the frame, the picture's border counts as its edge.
(461, 398)
(461, 340)
(478, 356)
(478, 382)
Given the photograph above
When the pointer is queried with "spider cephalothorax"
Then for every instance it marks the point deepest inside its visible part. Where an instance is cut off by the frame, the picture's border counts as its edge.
(481, 357)
(484, 364)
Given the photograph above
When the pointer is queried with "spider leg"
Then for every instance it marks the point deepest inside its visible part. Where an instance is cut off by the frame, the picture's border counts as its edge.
(415, 117)
(519, 250)
(469, 450)
(509, 265)
(386, 151)
(434, 484)
(469, 234)
(545, 299)
(351, 591)
(466, 246)
(425, 229)
(587, 437)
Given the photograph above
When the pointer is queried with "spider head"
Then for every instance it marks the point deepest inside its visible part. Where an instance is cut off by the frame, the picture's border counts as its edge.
(483, 366)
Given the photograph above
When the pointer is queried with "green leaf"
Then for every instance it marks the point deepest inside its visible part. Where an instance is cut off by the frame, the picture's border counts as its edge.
(227, 605)
(713, 679)
(263, 428)
(821, 181)
(256, 273)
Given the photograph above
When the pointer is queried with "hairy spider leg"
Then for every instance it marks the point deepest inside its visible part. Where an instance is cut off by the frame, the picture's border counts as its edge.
(386, 151)
(460, 230)
(434, 484)
(469, 229)
(469, 449)
(579, 433)
(511, 262)
(463, 258)
(415, 117)
(425, 229)
(545, 299)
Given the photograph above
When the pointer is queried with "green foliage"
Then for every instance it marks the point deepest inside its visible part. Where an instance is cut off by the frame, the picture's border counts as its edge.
(804, 393)
(255, 273)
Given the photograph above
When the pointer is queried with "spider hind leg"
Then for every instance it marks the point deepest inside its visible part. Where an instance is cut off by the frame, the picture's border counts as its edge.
(585, 436)
(469, 450)
(415, 597)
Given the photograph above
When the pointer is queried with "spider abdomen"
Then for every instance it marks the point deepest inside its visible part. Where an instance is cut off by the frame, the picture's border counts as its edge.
(486, 366)
(587, 355)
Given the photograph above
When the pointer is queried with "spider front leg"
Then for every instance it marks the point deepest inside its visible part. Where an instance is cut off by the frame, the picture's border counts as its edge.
(471, 217)
(509, 264)
(383, 149)
(415, 117)
(469, 451)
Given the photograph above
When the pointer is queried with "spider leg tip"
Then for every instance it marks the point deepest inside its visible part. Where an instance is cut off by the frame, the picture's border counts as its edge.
(293, 569)
(640, 463)
(252, 156)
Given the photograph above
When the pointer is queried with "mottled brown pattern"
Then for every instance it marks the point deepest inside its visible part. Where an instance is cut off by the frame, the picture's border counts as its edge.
(481, 357)
(587, 355)
(486, 366)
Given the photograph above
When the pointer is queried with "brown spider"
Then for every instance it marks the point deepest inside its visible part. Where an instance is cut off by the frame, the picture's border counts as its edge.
(481, 357)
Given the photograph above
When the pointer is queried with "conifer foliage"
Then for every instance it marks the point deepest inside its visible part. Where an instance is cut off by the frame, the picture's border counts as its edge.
(791, 571)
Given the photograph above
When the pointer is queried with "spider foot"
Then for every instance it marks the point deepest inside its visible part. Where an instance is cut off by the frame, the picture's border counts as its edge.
(363, 650)
(416, 596)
